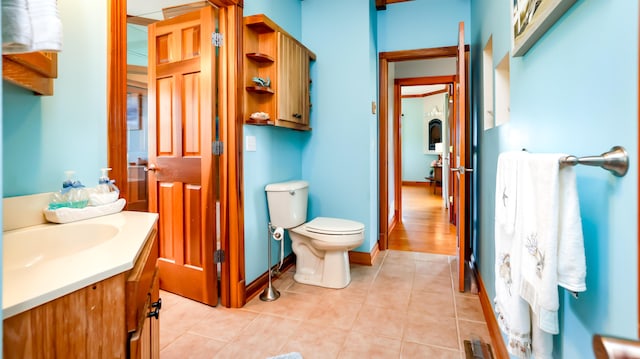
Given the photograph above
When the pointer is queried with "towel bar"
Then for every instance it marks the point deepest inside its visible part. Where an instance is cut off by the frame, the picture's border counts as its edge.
(615, 161)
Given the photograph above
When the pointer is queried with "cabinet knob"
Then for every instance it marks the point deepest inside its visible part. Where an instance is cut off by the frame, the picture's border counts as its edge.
(156, 309)
(154, 313)
(297, 115)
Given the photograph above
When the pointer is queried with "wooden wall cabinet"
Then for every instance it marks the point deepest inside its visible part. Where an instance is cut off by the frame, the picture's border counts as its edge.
(107, 319)
(34, 71)
(271, 53)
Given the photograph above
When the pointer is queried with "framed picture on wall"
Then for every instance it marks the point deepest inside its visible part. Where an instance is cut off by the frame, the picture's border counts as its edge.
(530, 19)
(134, 111)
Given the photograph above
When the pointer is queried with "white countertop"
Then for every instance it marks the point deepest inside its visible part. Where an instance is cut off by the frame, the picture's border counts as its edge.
(28, 286)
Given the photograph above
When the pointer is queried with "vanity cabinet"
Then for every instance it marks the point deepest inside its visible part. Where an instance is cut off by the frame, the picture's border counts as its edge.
(273, 55)
(34, 71)
(117, 317)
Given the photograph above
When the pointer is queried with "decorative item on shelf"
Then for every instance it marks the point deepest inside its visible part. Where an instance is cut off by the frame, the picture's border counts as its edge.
(262, 82)
(259, 116)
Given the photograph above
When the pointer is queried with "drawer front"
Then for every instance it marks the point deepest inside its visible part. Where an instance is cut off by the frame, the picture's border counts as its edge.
(139, 281)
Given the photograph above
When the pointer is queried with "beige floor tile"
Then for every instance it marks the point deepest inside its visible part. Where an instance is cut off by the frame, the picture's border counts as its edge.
(431, 303)
(392, 283)
(181, 315)
(354, 292)
(395, 256)
(289, 305)
(313, 290)
(398, 269)
(370, 346)
(405, 305)
(168, 335)
(284, 280)
(386, 297)
(381, 321)
(432, 330)
(421, 351)
(239, 350)
(433, 283)
(316, 341)
(192, 346)
(469, 308)
(418, 256)
(340, 314)
(433, 268)
(266, 334)
(223, 324)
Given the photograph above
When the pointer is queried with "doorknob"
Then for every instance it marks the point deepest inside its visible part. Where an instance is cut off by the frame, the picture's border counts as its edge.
(461, 169)
(151, 168)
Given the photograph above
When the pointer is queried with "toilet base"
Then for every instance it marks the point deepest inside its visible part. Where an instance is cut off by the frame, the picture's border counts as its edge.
(332, 271)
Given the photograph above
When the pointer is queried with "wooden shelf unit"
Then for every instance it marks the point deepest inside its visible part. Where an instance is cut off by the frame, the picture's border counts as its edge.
(272, 53)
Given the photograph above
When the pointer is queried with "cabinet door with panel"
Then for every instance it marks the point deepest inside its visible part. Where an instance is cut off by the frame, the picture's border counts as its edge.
(293, 85)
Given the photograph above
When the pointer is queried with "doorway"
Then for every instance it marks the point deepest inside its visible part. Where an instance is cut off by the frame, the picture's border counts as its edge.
(459, 134)
(419, 219)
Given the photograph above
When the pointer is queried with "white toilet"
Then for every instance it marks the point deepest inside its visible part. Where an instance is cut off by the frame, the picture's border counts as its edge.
(321, 245)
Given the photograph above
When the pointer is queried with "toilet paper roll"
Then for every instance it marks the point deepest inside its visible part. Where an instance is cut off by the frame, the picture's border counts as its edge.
(278, 235)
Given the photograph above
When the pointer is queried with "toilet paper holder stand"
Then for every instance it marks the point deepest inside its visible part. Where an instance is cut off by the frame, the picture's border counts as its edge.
(270, 293)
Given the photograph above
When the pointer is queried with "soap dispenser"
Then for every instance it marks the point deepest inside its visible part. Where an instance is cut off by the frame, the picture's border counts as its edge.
(71, 195)
(106, 192)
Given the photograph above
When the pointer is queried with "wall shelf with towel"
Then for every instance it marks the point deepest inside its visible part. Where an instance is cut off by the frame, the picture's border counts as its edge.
(34, 71)
(615, 161)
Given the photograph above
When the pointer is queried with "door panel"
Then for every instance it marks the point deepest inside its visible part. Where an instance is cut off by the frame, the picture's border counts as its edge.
(460, 181)
(181, 186)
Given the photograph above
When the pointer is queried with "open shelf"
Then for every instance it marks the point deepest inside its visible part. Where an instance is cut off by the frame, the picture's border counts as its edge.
(252, 121)
(258, 57)
(260, 89)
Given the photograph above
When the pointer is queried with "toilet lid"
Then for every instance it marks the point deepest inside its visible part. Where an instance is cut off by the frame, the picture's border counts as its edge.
(325, 225)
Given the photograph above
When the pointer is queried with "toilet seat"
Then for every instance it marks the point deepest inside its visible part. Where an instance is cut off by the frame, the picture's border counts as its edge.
(334, 226)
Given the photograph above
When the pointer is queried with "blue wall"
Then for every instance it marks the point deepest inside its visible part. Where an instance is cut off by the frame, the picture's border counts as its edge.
(45, 135)
(421, 24)
(340, 160)
(558, 104)
(278, 155)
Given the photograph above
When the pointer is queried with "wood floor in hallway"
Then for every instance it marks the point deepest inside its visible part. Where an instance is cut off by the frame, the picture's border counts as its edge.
(424, 226)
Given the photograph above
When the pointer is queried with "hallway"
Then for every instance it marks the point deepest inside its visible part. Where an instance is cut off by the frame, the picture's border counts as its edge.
(425, 223)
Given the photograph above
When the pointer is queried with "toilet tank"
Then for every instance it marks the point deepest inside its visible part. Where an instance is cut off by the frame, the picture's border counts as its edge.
(287, 202)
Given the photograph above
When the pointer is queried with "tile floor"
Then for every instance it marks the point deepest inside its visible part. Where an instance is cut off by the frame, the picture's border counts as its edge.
(404, 306)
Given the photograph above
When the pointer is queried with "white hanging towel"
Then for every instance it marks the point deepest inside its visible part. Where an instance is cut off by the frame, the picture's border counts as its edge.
(512, 311)
(30, 25)
(17, 35)
(551, 229)
(46, 24)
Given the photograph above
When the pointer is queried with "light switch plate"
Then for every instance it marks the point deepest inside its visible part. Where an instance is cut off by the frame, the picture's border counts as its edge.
(250, 143)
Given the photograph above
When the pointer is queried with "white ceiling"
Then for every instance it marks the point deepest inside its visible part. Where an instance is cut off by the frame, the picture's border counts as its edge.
(152, 9)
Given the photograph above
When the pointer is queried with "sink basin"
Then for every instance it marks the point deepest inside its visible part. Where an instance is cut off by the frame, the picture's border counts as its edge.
(30, 247)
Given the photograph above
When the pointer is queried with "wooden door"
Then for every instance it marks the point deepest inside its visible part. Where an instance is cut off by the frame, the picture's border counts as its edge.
(183, 177)
(461, 179)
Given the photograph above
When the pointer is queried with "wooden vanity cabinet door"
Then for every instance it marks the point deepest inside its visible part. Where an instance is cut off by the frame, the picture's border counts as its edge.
(143, 292)
(139, 281)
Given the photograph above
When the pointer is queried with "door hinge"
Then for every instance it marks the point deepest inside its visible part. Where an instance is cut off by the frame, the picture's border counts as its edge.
(217, 148)
(218, 256)
(217, 39)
